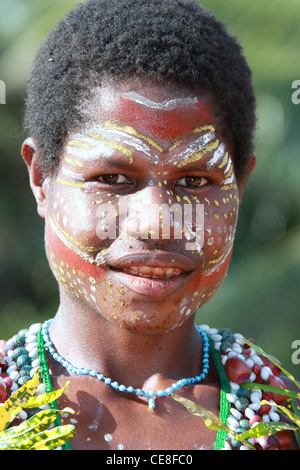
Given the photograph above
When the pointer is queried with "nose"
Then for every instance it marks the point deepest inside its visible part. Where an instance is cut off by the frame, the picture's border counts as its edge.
(150, 214)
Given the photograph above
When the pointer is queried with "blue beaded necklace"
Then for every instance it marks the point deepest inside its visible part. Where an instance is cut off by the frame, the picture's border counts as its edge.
(150, 396)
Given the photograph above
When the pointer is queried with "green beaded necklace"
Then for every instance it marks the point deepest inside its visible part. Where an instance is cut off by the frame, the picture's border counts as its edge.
(224, 382)
(48, 382)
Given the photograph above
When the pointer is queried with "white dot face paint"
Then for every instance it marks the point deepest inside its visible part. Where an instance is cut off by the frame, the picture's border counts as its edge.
(108, 437)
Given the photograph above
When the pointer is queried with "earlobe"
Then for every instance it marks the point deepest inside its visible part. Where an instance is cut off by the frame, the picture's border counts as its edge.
(38, 183)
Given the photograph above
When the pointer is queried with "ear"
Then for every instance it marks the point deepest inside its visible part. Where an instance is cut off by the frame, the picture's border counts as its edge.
(39, 184)
(242, 181)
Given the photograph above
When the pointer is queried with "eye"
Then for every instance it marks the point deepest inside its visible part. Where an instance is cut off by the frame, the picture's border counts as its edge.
(114, 179)
(192, 181)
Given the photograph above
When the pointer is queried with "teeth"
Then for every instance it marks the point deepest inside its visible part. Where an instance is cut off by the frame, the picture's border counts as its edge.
(153, 271)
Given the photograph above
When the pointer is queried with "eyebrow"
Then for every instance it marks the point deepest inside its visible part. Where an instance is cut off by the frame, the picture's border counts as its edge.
(112, 163)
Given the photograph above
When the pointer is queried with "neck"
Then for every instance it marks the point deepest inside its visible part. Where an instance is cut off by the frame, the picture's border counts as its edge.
(87, 339)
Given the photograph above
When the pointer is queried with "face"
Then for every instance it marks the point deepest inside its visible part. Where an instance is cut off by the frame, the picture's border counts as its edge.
(140, 217)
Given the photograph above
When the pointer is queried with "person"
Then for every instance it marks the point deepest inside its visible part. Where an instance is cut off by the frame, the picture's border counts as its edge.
(140, 114)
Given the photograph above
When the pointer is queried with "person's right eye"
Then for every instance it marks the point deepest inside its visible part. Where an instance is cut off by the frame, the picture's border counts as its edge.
(113, 179)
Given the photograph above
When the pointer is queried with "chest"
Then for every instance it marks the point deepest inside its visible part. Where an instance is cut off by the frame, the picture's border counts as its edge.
(105, 419)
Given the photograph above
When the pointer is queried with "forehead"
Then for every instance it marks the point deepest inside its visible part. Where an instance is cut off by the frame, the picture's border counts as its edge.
(166, 111)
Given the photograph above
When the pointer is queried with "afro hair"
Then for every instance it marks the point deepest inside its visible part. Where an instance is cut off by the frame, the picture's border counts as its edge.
(163, 40)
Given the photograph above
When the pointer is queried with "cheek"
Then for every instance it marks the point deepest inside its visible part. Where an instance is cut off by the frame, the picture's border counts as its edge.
(219, 224)
(60, 255)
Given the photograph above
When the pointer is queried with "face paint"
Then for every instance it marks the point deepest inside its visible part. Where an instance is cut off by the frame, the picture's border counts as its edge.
(142, 114)
(153, 144)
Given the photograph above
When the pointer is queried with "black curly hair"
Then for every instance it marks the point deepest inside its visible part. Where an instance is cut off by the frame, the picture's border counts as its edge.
(164, 40)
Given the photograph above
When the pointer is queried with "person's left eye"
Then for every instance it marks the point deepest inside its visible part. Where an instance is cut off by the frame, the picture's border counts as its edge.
(113, 179)
(192, 181)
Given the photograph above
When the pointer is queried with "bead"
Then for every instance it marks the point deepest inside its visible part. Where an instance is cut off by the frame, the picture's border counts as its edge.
(3, 364)
(23, 360)
(277, 382)
(243, 392)
(35, 328)
(3, 393)
(151, 404)
(255, 397)
(23, 415)
(284, 439)
(265, 372)
(257, 360)
(267, 362)
(237, 370)
(25, 370)
(19, 352)
(256, 370)
(274, 416)
(224, 346)
(22, 380)
(18, 340)
(228, 338)
(254, 406)
(8, 382)
(236, 414)
(14, 375)
(241, 404)
(11, 369)
(264, 409)
(236, 444)
(255, 420)
(249, 413)
(224, 331)
(232, 422)
(244, 424)
(231, 397)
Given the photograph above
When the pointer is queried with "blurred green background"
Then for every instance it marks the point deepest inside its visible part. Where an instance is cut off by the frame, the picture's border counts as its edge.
(261, 294)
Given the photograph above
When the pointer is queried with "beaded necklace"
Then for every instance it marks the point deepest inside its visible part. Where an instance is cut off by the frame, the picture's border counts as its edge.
(151, 396)
(234, 360)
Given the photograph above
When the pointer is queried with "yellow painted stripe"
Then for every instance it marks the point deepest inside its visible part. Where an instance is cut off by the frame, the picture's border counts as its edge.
(224, 161)
(229, 173)
(79, 143)
(131, 131)
(71, 184)
(73, 161)
(113, 145)
(227, 187)
(197, 130)
(84, 248)
(204, 128)
(199, 154)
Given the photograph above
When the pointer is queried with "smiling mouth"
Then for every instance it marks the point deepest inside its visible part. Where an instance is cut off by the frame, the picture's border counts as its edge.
(156, 272)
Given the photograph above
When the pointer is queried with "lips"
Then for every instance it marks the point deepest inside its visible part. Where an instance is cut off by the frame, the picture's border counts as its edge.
(152, 273)
(157, 259)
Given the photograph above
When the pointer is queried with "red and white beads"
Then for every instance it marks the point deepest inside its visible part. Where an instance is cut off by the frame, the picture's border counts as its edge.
(19, 361)
(243, 364)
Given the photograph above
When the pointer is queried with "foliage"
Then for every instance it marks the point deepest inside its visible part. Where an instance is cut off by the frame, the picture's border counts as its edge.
(262, 429)
(34, 433)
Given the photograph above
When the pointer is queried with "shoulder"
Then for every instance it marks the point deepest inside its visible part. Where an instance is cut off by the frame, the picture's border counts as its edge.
(248, 371)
